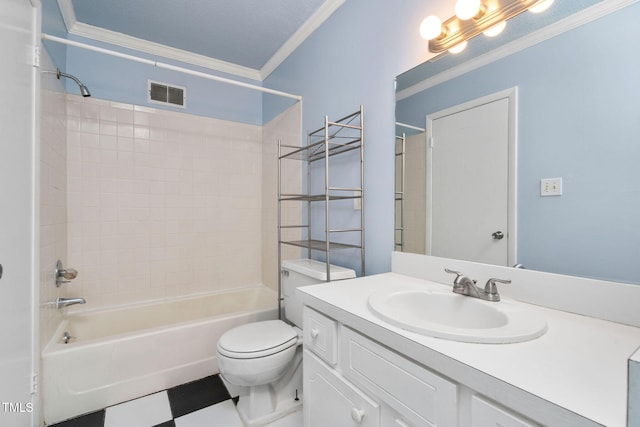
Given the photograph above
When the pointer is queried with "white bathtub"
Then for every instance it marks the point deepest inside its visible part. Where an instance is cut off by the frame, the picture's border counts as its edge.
(120, 354)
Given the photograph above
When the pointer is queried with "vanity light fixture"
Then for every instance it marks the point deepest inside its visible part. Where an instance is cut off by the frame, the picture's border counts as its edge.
(472, 18)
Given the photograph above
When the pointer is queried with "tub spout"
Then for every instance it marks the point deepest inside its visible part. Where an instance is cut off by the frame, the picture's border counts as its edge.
(64, 302)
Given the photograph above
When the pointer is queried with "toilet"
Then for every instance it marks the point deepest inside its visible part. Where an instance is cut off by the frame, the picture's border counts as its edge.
(264, 359)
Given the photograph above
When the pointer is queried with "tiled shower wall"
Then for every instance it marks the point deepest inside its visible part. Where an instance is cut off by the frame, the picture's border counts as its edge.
(160, 203)
(53, 196)
(284, 128)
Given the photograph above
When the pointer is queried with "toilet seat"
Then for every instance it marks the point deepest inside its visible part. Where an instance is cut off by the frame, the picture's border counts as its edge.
(258, 339)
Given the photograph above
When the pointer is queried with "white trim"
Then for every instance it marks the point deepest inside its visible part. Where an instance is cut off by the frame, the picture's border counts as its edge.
(511, 95)
(313, 23)
(122, 40)
(141, 45)
(569, 23)
(68, 14)
(404, 125)
(169, 67)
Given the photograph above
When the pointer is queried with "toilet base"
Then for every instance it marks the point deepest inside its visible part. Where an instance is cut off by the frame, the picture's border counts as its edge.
(260, 405)
(281, 410)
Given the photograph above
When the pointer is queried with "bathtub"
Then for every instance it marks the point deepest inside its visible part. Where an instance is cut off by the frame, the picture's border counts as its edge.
(124, 353)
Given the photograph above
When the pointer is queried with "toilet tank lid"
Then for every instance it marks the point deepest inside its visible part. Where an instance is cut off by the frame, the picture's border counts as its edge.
(317, 269)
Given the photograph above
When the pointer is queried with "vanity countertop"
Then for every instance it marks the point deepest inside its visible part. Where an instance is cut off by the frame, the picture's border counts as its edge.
(575, 374)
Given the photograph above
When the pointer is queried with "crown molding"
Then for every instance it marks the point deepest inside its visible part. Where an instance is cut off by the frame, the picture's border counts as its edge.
(313, 23)
(68, 14)
(122, 40)
(141, 45)
(582, 17)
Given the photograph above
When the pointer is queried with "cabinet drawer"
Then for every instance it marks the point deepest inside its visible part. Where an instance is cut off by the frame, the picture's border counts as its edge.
(488, 414)
(330, 400)
(391, 418)
(422, 397)
(321, 335)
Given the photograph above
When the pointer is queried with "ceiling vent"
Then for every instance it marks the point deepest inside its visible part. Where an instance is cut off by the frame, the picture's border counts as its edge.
(162, 93)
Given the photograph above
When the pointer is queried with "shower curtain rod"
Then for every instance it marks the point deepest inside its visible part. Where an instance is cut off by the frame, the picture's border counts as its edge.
(169, 66)
(404, 125)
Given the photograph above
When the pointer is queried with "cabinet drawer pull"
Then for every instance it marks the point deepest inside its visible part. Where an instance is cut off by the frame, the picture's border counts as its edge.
(314, 333)
(357, 415)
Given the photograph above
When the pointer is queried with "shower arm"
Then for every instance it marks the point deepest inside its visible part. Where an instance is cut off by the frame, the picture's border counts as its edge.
(84, 91)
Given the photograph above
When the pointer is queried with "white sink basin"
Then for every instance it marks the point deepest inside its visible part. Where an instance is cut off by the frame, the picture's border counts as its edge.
(457, 317)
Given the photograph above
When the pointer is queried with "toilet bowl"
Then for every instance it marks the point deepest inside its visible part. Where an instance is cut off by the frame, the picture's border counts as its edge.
(257, 353)
(263, 359)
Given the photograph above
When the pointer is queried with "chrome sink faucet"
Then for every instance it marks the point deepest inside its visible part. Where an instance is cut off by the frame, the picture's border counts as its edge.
(465, 286)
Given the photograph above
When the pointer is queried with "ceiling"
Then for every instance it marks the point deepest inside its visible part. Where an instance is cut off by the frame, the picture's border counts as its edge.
(248, 38)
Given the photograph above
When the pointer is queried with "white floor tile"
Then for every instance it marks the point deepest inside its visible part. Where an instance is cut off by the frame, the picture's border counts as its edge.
(291, 420)
(143, 412)
(220, 414)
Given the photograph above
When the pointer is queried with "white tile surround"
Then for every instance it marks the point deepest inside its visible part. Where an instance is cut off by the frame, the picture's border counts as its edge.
(161, 203)
(53, 195)
(285, 127)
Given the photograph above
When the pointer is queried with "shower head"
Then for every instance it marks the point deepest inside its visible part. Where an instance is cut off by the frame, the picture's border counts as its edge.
(83, 89)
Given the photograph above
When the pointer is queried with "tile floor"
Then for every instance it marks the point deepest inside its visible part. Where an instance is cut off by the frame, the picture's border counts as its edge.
(202, 403)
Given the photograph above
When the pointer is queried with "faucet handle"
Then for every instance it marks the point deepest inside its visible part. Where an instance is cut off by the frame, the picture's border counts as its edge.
(64, 275)
(458, 273)
(458, 276)
(492, 290)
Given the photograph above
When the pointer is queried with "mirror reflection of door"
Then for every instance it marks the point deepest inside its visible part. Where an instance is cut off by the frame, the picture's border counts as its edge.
(471, 181)
(410, 185)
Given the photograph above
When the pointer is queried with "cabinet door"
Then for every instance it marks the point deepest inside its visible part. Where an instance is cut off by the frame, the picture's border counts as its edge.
(329, 400)
(487, 414)
(421, 396)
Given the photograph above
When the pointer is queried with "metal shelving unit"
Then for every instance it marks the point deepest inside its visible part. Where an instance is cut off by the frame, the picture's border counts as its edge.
(333, 139)
(399, 191)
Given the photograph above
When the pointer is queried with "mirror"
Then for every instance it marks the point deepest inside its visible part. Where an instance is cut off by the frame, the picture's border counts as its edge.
(578, 119)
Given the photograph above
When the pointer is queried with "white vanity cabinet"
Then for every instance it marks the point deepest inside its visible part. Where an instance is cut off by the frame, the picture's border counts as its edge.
(351, 380)
(365, 384)
(330, 400)
(487, 414)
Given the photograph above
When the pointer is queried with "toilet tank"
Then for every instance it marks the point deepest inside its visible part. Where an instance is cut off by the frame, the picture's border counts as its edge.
(303, 272)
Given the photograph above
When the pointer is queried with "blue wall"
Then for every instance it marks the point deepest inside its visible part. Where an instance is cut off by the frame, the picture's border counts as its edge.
(352, 59)
(579, 119)
(122, 80)
(53, 24)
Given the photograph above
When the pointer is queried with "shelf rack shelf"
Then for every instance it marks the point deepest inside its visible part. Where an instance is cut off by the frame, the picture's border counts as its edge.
(334, 138)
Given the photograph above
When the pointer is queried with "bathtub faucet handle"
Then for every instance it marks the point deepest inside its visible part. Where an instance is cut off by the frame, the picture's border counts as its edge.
(64, 275)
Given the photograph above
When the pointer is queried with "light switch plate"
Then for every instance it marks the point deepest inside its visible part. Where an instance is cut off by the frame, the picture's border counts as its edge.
(551, 187)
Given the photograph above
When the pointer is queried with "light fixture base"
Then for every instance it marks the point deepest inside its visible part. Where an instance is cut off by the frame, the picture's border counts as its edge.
(490, 14)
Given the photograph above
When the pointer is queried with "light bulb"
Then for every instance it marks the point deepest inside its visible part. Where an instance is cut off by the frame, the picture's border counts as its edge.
(459, 47)
(467, 9)
(495, 30)
(431, 27)
(541, 6)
